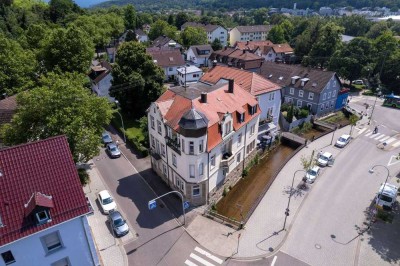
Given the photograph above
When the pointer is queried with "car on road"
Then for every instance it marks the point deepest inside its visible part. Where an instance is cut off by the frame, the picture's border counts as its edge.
(113, 151)
(106, 138)
(342, 141)
(312, 174)
(118, 223)
(324, 159)
(386, 197)
(358, 82)
(107, 203)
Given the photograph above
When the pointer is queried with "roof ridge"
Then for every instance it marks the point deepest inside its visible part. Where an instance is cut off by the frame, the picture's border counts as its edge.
(34, 142)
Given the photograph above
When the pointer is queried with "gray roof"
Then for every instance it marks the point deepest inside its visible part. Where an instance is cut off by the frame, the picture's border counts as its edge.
(255, 28)
(193, 119)
(197, 48)
(140, 32)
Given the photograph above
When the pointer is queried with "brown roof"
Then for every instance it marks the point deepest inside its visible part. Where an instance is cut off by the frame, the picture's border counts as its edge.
(8, 106)
(282, 74)
(238, 58)
(252, 45)
(174, 103)
(167, 58)
(161, 41)
(255, 28)
(282, 48)
(99, 71)
(250, 81)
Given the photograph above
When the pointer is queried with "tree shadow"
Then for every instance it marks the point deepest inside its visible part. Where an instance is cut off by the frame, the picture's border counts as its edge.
(298, 191)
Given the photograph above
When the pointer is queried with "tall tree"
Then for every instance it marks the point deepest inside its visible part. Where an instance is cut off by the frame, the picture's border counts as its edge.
(260, 16)
(59, 9)
(193, 36)
(216, 44)
(276, 34)
(137, 80)
(62, 105)
(68, 50)
(181, 18)
(377, 29)
(130, 17)
(288, 28)
(160, 28)
(355, 25)
(17, 66)
(305, 40)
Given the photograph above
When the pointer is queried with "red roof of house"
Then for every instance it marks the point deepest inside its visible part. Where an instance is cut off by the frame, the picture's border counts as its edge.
(252, 45)
(250, 81)
(35, 174)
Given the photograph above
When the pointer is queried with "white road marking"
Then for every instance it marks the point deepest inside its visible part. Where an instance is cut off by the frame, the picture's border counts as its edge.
(188, 262)
(397, 144)
(201, 260)
(273, 261)
(390, 140)
(368, 134)
(381, 136)
(209, 255)
(374, 135)
(394, 159)
(385, 138)
(362, 131)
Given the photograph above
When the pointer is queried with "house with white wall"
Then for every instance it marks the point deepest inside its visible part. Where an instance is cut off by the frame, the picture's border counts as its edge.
(141, 36)
(169, 60)
(199, 54)
(275, 52)
(100, 79)
(189, 74)
(43, 209)
(201, 137)
(249, 33)
(213, 31)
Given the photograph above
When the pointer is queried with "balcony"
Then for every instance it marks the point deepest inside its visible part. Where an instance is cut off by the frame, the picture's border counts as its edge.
(174, 145)
(227, 159)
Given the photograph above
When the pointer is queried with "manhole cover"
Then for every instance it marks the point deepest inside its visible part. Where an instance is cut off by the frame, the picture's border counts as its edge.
(317, 246)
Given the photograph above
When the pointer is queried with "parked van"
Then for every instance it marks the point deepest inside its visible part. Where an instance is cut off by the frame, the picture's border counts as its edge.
(386, 197)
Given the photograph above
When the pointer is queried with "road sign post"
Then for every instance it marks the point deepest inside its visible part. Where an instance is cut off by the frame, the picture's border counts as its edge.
(152, 204)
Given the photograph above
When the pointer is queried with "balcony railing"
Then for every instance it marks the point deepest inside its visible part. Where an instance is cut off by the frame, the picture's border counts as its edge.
(227, 159)
(174, 145)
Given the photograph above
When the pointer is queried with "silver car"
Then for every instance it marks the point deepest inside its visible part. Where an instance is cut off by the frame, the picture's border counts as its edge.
(118, 223)
(113, 151)
(106, 138)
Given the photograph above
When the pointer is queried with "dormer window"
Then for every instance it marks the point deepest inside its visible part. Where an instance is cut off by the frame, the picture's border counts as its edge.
(38, 207)
(241, 117)
(304, 81)
(42, 217)
(294, 79)
(253, 109)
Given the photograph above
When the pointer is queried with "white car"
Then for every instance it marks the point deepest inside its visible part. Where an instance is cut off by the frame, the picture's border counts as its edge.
(312, 174)
(107, 203)
(386, 196)
(358, 82)
(342, 141)
(324, 159)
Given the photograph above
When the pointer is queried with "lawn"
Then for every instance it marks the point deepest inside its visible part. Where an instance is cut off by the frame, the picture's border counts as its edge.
(337, 118)
(132, 127)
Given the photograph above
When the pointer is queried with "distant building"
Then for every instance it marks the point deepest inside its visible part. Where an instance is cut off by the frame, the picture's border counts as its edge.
(252, 46)
(199, 54)
(169, 60)
(325, 11)
(249, 33)
(141, 36)
(346, 38)
(188, 74)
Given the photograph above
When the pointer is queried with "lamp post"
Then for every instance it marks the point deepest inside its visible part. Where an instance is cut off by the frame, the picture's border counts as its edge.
(373, 108)
(290, 196)
(122, 121)
(387, 177)
(333, 134)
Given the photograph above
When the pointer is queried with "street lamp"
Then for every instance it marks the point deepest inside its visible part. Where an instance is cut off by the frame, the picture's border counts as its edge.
(372, 170)
(122, 121)
(290, 195)
(373, 108)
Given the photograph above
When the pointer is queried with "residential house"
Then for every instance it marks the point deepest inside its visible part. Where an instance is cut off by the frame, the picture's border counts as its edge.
(199, 54)
(213, 31)
(100, 79)
(249, 33)
(165, 42)
(312, 88)
(188, 74)
(268, 93)
(237, 58)
(275, 52)
(169, 60)
(43, 209)
(252, 46)
(141, 36)
(201, 136)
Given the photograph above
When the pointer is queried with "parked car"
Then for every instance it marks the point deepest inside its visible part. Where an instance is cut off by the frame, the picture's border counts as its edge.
(386, 197)
(342, 141)
(312, 174)
(324, 159)
(107, 203)
(118, 223)
(113, 150)
(106, 138)
(358, 82)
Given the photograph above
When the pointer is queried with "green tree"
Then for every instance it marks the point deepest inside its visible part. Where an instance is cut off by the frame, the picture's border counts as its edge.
(276, 34)
(160, 28)
(59, 9)
(353, 121)
(260, 16)
(377, 29)
(290, 114)
(17, 66)
(216, 44)
(130, 36)
(68, 50)
(137, 80)
(181, 18)
(193, 36)
(36, 35)
(171, 19)
(288, 28)
(60, 105)
(355, 25)
(130, 17)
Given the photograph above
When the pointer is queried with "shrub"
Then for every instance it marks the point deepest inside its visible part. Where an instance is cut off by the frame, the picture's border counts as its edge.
(83, 176)
(256, 159)
(290, 114)
(225, 192)
(285, 107)
(245, 172)
(303, 113)
(307, 126)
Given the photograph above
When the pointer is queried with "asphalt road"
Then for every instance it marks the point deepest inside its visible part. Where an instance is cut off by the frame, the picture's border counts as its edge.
(328, 226)
(157, 230)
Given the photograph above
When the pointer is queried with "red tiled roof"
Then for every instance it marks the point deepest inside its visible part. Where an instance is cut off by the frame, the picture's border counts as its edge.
(44, 166)
(282, 48)
(38, 199)
(250, 81)
(252, 45)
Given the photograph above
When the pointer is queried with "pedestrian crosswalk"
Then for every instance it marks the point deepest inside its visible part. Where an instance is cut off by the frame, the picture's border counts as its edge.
(202, 257)
(393, 141)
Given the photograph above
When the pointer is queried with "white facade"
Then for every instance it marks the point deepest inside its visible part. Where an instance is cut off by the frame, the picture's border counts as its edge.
(236, 36)
(102, 88)
(197, 61)
(142, 38)
(189, 74)
(75, 246)
(219, 33)
(171, 72)
(270, 105)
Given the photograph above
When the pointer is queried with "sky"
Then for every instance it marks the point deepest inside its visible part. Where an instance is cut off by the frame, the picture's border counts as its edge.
(85, 3)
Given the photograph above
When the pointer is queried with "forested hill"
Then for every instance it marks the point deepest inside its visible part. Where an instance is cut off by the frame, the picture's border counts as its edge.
(236, 4)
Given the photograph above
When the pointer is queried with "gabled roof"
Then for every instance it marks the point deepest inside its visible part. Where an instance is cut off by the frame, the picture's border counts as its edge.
(252, 45)
(179, 101)
(44, 166)
(162, 41)
(210, 27)
(167, 58)
(8, 106)
(140, 32)
(198, 48)
(250, 81)
(282, 48)
(100, 71)
(282, 74)
(255, 28)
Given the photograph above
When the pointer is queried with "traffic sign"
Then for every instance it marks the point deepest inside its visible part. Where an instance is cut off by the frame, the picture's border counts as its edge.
(186, 205)
(152, 204)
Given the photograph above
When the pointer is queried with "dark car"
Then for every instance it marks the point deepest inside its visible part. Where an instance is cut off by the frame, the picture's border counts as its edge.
(106, 138)
(113, 151)
(118, 223)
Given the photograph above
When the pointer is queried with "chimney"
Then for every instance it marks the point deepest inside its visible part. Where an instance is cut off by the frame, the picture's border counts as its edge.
(214, 64)
(230, 87)
(247, 43)
(204, 97)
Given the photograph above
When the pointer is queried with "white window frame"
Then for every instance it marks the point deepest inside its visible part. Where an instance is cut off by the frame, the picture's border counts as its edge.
(201, 146)
(51, 242)
(201, 169)
(252, 130)
(311, 95)
(165, 169)
(62, 262)
(44, 220)
(272, 96)
(299, 103)
(183, 145)
(191, 147)
(324, 96)
(301, 92)
(239, 139)
(9, 261)
(291, 91)
(174, 162)
(197, 188)
(159, 130)
(238, 157)
(329, 95)
(334, 93)
(162, 149)
(152, 123)
(212, 161)
(192, 173)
